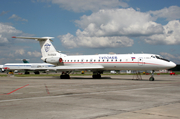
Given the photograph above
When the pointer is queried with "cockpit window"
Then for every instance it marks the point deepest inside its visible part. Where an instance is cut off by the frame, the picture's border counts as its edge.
(161, 58)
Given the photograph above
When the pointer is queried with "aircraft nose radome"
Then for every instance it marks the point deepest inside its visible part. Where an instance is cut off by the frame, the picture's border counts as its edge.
(172, 65)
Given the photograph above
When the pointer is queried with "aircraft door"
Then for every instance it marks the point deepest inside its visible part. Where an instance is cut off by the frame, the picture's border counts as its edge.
(140, 61)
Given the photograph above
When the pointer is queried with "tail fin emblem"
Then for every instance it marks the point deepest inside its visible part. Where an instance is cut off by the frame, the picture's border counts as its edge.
(47, 47)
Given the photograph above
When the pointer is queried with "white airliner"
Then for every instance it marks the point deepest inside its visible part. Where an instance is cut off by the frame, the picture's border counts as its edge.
(36, 67)
(26, 66)
(99, 63)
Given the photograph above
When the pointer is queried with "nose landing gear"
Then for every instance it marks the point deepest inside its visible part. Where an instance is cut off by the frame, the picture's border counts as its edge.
(152, 76)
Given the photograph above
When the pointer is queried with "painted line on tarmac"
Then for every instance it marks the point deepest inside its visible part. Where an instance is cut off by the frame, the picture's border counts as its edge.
(15, 90)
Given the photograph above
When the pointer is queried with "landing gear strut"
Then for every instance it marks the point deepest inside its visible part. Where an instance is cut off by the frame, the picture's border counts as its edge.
(152, 76)
(36, 72)
(65, 75)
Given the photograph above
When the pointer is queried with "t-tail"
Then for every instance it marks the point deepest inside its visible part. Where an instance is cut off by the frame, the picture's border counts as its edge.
(49, 53)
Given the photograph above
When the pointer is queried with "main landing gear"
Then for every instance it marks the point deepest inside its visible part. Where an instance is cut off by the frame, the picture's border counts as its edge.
(152, 76)
(65, 75)
(96, 75)
(36, 72)
(26, 72)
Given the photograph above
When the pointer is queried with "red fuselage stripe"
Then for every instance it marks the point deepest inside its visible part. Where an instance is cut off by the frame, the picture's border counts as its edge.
(110, 63)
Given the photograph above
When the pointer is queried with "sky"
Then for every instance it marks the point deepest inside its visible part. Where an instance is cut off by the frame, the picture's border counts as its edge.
(88, 27)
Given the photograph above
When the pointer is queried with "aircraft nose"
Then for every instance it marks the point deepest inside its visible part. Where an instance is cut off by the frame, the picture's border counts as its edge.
(172, 65)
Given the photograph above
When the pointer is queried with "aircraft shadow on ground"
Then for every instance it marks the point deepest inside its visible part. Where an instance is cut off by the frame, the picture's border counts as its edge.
(102, 78)
(80, 77)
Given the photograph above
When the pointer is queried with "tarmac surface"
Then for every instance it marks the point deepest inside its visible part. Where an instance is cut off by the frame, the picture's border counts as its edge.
(112, 97)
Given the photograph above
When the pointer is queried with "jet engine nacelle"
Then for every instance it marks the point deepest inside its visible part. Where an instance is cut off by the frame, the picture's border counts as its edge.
(53, 60)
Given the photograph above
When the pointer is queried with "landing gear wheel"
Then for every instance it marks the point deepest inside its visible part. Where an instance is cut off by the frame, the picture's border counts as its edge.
(64, 77)
(151, 78)
(36, 72)
(27, 72)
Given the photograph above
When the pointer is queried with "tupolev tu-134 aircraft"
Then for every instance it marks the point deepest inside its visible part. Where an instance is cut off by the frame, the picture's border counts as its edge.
(99, 63)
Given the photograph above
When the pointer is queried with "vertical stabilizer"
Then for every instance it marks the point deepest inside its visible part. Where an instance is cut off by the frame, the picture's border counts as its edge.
(47, 49)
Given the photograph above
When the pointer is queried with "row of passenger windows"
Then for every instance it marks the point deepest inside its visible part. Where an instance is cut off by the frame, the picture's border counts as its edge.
(93, 60)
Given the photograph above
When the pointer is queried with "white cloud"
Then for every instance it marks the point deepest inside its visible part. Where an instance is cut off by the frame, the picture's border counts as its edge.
(34, 54)
(118, 22)
(3, 13)
(112, 28)
(117, 27)
(87, 5)
(170, 35)
(171, 13)
(167, 55)
(71, 41)
(20, 51)
(172, 57)
(17, 18)
(6, 32)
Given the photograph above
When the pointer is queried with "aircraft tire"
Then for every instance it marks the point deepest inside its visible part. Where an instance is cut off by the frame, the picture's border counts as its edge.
(26, 73)
(64, 77)
(98, 76)
(151, 79)
(36, 72)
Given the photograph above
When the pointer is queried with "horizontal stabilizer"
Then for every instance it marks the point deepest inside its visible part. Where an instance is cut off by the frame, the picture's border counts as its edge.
(35, 38)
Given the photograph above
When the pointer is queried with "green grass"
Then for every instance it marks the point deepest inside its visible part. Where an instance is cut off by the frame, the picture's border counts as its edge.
(3, 75)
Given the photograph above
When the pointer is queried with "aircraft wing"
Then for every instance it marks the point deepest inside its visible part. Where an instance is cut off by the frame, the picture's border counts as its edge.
(67, 68)
(36, 38)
